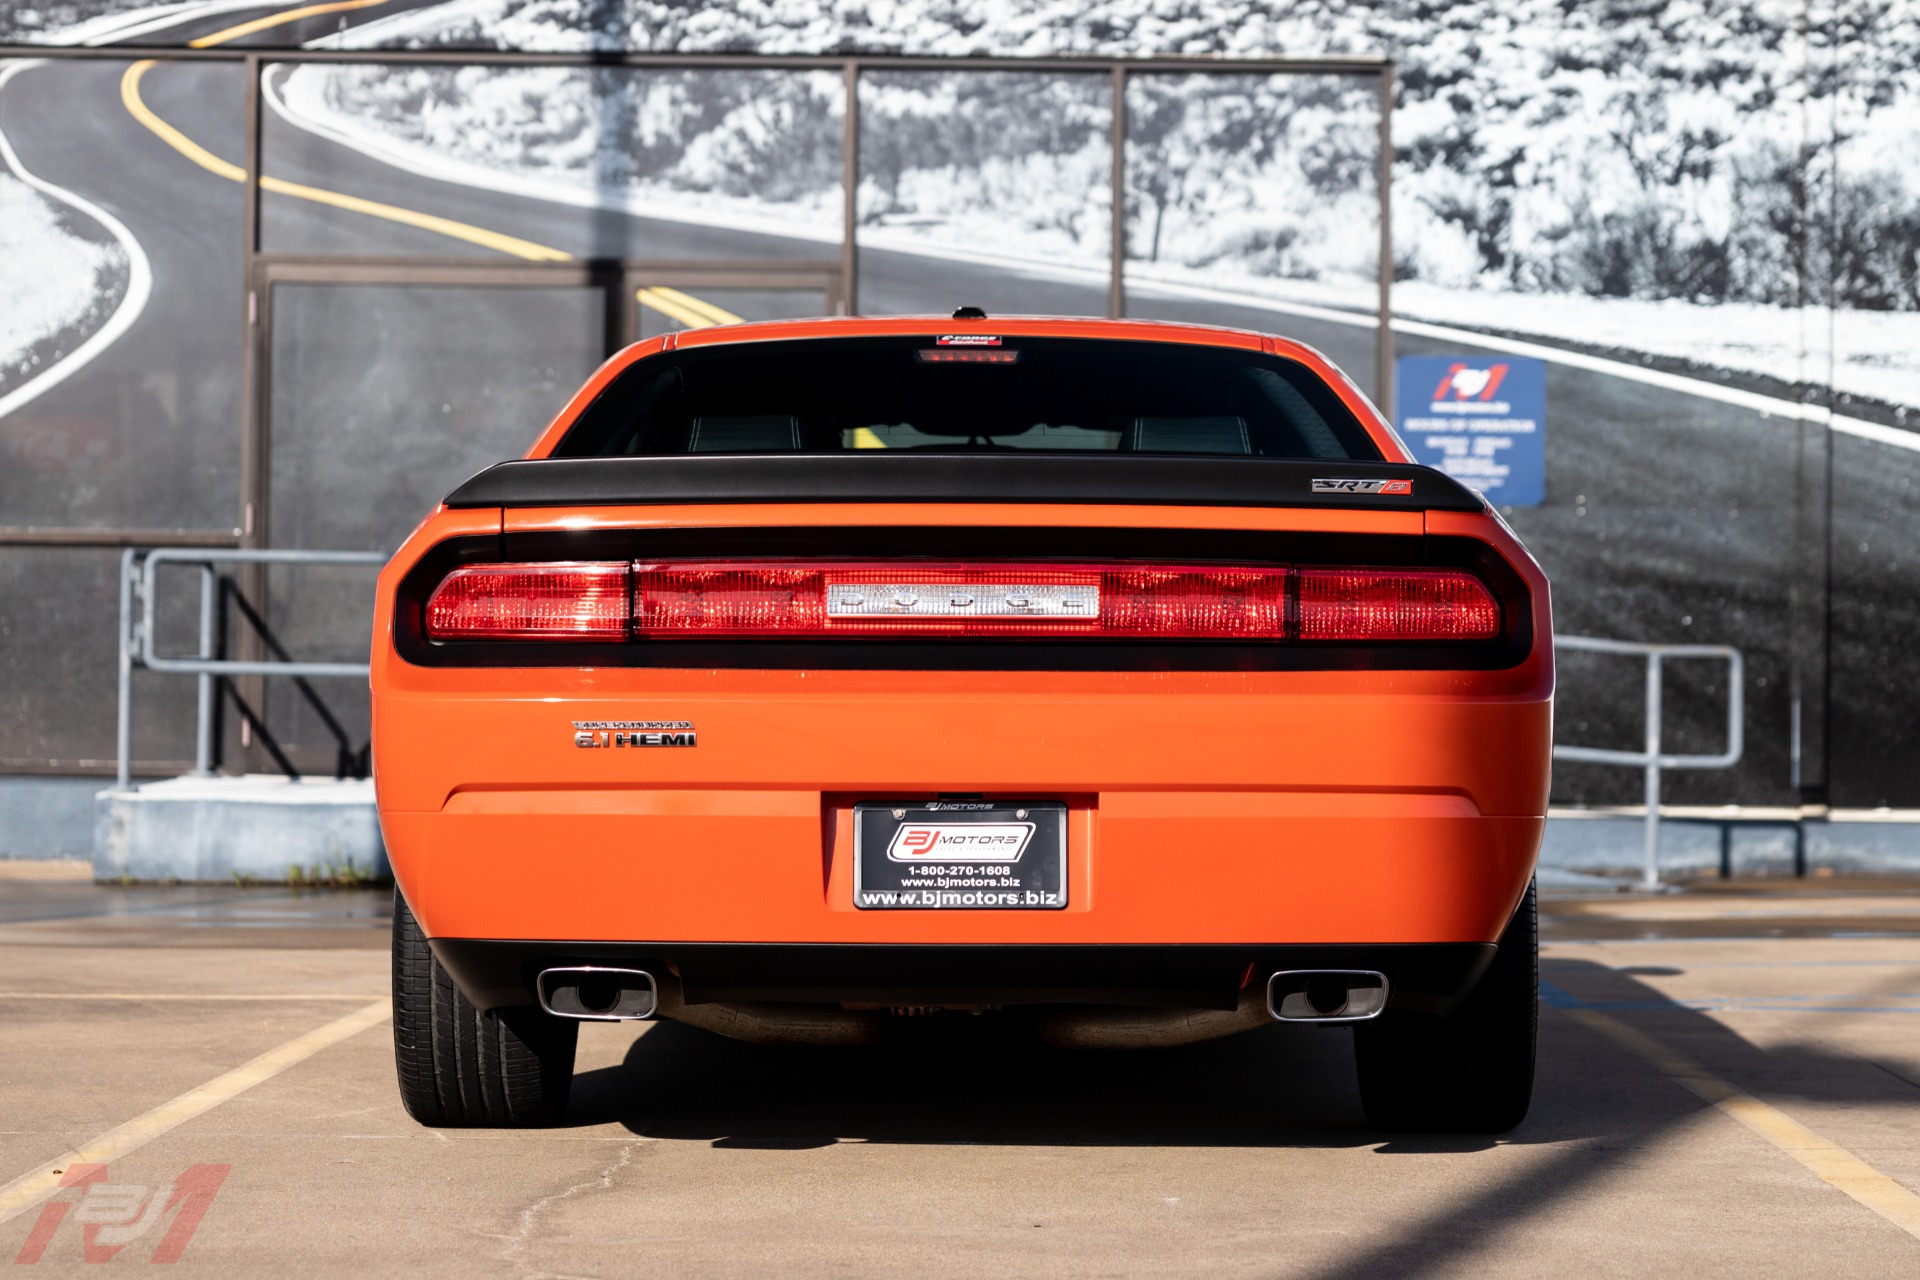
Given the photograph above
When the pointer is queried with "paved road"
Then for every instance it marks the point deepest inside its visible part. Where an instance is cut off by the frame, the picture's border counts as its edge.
(1667, 517)
(964, 1148)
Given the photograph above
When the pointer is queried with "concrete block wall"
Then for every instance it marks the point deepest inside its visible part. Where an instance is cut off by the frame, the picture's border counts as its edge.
(47, 817)
(257, 827)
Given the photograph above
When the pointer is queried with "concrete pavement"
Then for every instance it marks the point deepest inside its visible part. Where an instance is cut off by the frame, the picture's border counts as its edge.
(964, 1147)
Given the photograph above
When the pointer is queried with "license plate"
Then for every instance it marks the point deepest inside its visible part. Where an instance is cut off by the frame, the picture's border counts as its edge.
(960, 855)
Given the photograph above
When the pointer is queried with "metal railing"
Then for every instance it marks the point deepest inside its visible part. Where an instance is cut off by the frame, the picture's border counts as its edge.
(1652, 759)
(139, 610)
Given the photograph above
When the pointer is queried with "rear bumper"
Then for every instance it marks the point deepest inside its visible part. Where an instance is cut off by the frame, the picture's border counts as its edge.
(1194, 868)
(496, 973)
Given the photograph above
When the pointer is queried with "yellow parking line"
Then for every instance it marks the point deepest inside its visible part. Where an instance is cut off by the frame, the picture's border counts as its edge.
(182, 995)
(280, 19)
(1832, 1163)
(29, 1189)
(692, 312)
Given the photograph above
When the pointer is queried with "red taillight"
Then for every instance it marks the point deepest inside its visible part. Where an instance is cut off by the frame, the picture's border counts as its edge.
(559, 601)
(824, 598)
(1395, 604)
(730, 598)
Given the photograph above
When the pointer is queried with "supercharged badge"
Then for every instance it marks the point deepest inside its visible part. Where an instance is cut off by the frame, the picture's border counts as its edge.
(1337, 485)
(633, 733)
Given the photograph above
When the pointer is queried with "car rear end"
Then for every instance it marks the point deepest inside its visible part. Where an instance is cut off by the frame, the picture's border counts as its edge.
(804, 675)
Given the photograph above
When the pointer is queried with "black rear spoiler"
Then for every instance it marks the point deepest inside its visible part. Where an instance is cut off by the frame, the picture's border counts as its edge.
(1119, 479)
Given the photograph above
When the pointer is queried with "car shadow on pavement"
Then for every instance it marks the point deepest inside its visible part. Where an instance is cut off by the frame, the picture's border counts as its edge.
(987, 1081)
(1597, 1105)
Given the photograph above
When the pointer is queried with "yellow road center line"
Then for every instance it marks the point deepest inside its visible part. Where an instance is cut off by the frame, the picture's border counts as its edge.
(138, 108)
(499, 241)
(864, 438)
(1832, 1163)
(692, 312)
(29, 1189)
(280, 19)
(182, 995)
(507, 244)
(714, 314)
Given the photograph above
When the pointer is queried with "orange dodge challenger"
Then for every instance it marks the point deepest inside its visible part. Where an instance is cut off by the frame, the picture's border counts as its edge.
(1126, 678)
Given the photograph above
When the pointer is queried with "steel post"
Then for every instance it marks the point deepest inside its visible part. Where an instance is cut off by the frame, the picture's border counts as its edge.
(123, 726)
(203, 711)
(1652, 877)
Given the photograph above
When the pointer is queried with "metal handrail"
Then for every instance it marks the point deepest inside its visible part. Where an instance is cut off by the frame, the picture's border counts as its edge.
(1652, 759)
(139, 586)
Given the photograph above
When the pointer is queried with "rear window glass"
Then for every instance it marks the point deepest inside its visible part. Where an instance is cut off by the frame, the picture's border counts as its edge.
(833, 395)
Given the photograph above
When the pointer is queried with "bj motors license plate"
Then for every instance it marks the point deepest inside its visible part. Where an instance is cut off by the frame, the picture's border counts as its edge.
(959, 855)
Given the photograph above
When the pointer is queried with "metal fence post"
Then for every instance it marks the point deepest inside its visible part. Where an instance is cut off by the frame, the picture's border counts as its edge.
(1653, 760)
(203, 718)
(123, 715)
(1652, 877)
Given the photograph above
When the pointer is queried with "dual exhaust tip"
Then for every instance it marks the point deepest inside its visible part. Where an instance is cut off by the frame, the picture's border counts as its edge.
(591, 993)
(1327, 995)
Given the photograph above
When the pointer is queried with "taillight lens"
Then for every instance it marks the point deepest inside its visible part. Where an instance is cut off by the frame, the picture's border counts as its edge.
(770, 598)
(729, 598)
(558, 601)
(1395, 604)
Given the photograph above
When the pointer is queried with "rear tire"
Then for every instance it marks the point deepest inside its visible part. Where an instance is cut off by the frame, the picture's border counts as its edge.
(459, 1067)
(1471, 1071)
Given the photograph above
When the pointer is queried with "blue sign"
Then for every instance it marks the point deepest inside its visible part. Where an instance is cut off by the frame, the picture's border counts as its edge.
(1480, 419)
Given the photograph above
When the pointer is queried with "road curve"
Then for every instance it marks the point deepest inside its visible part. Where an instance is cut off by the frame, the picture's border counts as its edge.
(1668, 516)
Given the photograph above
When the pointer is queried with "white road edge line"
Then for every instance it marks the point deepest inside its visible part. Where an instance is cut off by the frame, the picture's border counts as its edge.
(507, 184)
(139, 273)
(38, 1185)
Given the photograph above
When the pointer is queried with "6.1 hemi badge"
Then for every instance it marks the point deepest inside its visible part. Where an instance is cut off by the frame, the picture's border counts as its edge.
(1363, 486)
(633, 733)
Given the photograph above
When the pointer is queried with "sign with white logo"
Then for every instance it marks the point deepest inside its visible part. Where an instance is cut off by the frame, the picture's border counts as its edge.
(1480, 419)
(957, 842)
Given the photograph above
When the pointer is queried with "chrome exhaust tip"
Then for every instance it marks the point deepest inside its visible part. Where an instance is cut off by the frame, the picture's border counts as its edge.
(594, 994)
(1326, 995)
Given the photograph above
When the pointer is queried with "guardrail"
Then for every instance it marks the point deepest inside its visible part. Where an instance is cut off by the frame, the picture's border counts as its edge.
(1652, 759)
(139, 595)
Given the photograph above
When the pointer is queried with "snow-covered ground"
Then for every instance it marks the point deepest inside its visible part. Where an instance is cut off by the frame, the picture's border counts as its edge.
(79, 21)
(56, 286)
(760, 151)
(1876, 354)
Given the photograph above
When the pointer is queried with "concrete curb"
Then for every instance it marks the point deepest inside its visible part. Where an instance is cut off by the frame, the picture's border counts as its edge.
(260, 827)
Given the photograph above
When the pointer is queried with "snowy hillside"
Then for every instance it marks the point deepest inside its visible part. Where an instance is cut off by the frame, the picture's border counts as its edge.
(56, 286)
(1622, 148)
